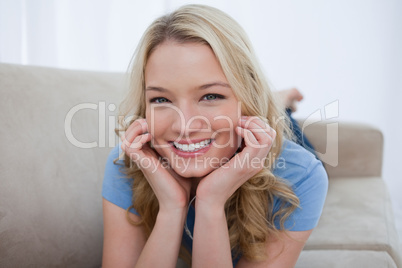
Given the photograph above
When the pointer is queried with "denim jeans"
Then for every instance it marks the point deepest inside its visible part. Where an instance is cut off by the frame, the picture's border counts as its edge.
(299, 138)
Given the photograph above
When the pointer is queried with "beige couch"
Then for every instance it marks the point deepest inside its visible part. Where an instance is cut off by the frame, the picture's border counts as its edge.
(50, 189)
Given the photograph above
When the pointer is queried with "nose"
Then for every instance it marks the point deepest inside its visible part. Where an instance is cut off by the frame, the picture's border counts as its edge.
(189, 120)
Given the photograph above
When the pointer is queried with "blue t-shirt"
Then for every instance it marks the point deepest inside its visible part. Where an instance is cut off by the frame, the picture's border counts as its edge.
(297, 166)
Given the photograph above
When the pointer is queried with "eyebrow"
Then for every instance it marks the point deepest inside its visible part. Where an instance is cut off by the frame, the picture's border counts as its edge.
(222, 84)
(161, 89)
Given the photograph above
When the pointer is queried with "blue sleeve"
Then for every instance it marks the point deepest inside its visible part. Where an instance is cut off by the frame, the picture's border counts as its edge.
(116, 187)
(311, 191)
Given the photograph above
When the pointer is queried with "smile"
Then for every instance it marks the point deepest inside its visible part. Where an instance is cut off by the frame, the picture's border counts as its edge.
(192, 147)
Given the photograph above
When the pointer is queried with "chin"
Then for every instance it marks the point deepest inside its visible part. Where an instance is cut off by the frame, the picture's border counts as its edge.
(192, 172)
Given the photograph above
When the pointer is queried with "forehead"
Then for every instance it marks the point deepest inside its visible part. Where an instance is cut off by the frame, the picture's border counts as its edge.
(172, 62)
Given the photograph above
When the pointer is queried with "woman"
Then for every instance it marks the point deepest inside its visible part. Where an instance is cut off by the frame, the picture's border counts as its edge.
(205, 151)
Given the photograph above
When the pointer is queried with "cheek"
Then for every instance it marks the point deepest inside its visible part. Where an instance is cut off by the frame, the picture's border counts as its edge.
(224, 129)
(228, 119)
(231, 122)
(157, 123)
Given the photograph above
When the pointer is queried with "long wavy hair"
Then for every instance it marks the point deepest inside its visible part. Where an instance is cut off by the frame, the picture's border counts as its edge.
(249, 211)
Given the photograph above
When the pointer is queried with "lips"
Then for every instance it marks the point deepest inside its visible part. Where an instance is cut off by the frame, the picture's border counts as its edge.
(192, 147)
(189, 150)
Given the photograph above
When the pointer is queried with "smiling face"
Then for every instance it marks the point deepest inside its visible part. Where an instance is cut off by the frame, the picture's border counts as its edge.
(191, 110)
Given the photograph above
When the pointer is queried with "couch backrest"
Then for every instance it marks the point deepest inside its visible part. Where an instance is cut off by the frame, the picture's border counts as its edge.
(50, 189)
(347, 149)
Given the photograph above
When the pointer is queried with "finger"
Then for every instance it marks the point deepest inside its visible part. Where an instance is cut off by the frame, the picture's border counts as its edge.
(140, 140)
(248, 136)
(255, 124)
(137, 144)
(137, 128)
(261, 130)
(255, 152)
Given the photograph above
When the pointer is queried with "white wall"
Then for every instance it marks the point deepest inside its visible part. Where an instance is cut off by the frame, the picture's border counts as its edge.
(348, 51)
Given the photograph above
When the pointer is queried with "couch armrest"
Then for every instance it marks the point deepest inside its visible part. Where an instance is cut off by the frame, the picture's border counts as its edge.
(358, 148)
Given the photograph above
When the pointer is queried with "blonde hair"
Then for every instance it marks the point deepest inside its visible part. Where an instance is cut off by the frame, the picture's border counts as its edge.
(249, 210)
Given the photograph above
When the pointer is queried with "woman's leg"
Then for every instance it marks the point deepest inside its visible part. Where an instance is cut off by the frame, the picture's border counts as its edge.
(298, 135)
(289, 98)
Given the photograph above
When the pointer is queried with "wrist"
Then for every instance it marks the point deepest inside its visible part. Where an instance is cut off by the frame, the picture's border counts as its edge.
(173, 206)
(172, 214)
(209, 209)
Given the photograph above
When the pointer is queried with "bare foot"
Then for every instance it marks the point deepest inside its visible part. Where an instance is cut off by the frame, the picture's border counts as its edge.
(289, 98)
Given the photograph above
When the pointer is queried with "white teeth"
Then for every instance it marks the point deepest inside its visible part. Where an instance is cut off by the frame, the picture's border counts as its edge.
(193, 146)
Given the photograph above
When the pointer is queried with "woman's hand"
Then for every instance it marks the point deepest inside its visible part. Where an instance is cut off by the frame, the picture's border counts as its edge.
(218, 186)
(171, 190)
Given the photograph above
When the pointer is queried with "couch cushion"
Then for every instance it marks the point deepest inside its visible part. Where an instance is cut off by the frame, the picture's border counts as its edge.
(50, 189)
(344, 259)
(357, 216)
(354, 158)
